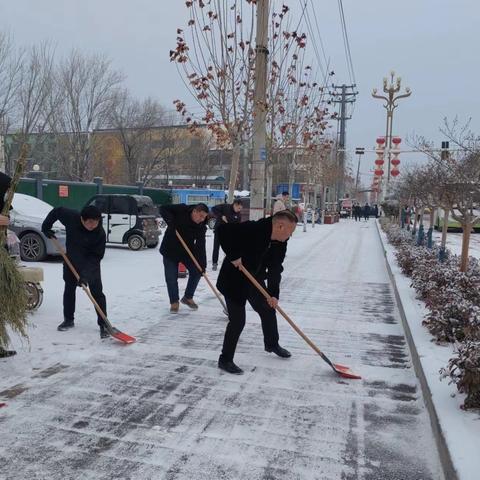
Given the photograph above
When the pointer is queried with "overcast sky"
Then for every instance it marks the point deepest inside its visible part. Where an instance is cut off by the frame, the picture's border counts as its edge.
(431, 44)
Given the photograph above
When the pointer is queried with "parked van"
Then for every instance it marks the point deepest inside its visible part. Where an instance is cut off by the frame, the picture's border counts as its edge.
(129, 219)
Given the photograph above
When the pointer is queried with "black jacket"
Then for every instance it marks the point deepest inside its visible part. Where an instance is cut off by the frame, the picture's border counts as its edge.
(225, 210)
(261, 256)
(178, 218)
(85, 249)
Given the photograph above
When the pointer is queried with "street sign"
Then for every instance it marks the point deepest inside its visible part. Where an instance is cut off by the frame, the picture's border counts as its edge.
(359, 151)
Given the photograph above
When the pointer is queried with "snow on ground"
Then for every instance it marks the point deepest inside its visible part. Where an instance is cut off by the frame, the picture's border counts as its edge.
(78, 407)
(454, 242)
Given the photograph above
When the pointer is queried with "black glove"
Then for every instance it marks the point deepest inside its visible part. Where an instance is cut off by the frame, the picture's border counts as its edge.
(49, 234)
(82, 281)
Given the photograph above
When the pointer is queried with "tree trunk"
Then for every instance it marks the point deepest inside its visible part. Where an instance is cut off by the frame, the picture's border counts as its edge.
(432, 218)
(268, 192)
(467, 230)
(445, 229)
(233, 173)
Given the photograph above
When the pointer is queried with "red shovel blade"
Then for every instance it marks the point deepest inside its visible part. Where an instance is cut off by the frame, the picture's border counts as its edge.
(123, 337)
(345, 372)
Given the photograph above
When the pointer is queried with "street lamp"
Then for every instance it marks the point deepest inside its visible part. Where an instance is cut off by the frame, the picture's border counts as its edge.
(391, 89)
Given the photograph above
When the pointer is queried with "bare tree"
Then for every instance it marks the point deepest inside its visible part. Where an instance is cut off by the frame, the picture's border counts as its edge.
(88, 86)
(31, 111)
(10, 69)
(133, 121)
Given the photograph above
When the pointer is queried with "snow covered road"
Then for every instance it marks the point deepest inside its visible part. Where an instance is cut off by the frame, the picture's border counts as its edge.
(81, 408)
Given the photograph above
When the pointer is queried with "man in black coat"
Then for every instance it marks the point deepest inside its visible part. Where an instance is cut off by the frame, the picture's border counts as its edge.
(85, 247)
(260, 247)
(225, 213)
(190, 222)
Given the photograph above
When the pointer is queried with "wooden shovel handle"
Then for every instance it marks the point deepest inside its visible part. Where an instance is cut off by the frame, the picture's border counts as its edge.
(281, 311)
(77, 276)
(204, 275)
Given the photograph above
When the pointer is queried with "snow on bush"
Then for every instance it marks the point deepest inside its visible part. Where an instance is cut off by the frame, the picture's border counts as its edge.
(464, 370)
(453, 302)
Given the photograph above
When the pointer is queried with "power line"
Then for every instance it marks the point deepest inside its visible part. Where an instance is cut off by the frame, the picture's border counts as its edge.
(346, 42)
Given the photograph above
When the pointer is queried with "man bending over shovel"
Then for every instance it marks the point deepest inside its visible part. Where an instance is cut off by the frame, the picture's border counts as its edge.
(85, 249)
(260, 247)
(189, 222)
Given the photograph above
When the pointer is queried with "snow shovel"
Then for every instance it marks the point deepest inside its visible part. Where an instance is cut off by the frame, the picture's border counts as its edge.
(204, 275)
(114, 332)
(342, 370)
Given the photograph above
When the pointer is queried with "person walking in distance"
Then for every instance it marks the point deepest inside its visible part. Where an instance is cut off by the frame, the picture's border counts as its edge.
(190, 222)
(366, 212)
(357, 212)
(260, 247)
(85, 247)
(224, 213)
(281, 202)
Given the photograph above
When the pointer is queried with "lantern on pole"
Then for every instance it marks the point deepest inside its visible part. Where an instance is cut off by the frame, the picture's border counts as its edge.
(395, 161)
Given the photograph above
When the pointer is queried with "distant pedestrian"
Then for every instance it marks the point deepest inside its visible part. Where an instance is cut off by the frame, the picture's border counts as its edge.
(375, 210)
(190, 222)
(357, 212)
(281, 202)
(224, 213)
(366, 211)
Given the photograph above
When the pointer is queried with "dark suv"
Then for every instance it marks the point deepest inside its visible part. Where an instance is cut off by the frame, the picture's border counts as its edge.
(128, 219)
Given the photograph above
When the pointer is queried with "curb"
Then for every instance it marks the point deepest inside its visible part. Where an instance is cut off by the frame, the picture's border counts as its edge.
(445, 457)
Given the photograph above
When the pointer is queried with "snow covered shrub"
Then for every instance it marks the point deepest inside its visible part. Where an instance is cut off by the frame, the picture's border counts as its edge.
(464, 370)
(453, 318)
(396, 235)
(408, 256)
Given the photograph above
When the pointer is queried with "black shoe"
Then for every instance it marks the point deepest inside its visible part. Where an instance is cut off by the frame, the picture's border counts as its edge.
(229, 367)
(104, 332)
(65, 325)
(7, 353)
(278, 350)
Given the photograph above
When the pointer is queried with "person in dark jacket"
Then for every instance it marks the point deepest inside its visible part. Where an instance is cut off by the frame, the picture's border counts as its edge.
(366, 211)
(85, 247)
(224, 213)
(190, 222)
(260, 247)
(375, 210)
(357, 212)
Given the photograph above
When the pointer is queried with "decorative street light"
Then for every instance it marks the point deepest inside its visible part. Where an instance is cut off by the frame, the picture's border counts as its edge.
(391, 89)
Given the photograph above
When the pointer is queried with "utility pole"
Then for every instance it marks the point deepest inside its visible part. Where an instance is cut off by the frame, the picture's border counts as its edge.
(358, 151)
(348, 94)
(259, 157)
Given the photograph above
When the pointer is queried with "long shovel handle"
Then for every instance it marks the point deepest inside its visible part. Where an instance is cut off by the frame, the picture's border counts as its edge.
(284, 315)
(77, 276)
(204, 275)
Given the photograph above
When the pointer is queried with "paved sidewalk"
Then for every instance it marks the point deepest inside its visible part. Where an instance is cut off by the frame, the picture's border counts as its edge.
(160, 409)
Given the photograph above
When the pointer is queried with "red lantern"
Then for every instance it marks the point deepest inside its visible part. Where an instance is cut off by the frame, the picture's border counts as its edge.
(396, 140)
(380, 140)
(378, 172)
(395, 162)
(395, 172)
(379, 161)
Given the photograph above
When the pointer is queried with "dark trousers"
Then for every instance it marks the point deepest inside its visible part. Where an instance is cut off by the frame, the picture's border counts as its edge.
(357, 216)
(171, 278)
(236, 317)
(216, 247)
(96, 289)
